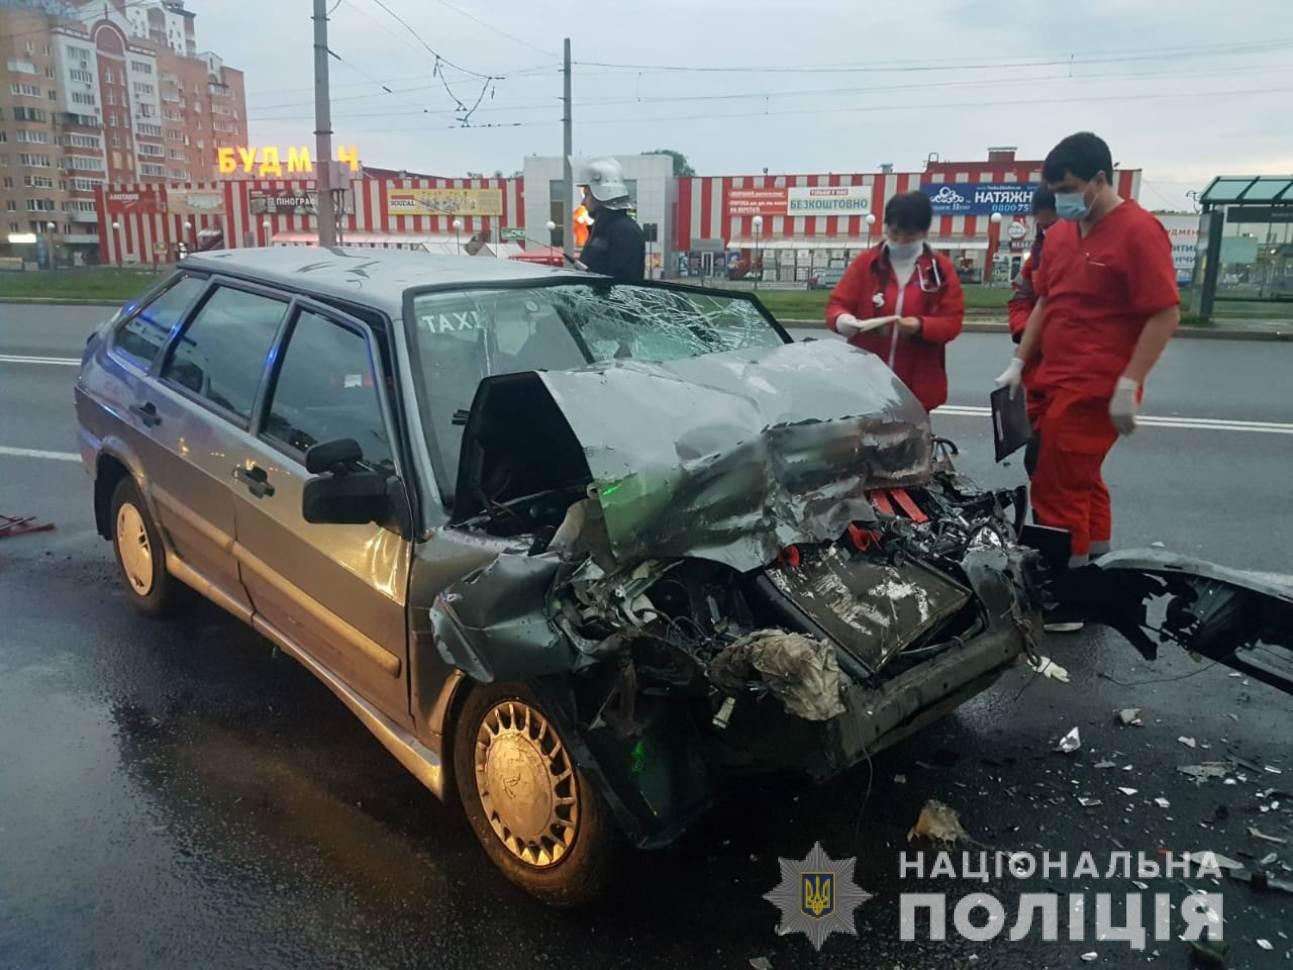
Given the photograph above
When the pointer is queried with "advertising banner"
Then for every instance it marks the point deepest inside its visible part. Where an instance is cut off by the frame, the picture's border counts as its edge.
(283, 203)
(829, 200)
(137, 202)
(981, 198)
(1183, 230)
(195, 202)
(444, 202)
(756, 202)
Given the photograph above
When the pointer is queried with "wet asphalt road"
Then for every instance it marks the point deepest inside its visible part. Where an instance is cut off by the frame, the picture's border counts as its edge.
(172, 794)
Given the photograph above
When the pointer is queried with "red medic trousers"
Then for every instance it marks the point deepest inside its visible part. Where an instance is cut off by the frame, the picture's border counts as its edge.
(1075, 434)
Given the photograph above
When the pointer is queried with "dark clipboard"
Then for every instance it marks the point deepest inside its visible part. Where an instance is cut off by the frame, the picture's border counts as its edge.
(1011, 428)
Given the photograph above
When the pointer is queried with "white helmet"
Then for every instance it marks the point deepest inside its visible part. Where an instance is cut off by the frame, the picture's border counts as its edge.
(605, 180)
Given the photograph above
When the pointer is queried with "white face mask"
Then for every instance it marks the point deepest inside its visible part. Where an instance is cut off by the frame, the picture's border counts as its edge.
(904, 251)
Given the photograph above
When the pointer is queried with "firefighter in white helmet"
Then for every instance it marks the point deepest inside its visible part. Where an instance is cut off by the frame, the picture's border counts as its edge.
(616, 246)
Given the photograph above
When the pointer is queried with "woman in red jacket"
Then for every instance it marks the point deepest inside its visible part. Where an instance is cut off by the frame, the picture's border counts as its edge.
(902, 301)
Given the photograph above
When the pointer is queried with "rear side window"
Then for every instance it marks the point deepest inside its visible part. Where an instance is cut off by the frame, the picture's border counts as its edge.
(144, 334)
(221, 355)
(326, 390)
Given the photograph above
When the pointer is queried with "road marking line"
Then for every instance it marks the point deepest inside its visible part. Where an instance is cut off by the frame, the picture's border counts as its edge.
(55, 361)
(37, 453)
(1152, 421)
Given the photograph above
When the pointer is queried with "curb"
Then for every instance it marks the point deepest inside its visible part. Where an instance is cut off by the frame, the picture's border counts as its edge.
(1217, 332)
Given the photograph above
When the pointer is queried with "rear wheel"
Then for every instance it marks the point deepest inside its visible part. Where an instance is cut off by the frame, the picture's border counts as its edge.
(536, 815)
(141, 557)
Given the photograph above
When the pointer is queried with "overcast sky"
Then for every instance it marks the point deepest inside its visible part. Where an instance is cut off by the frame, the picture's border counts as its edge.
(944, 76)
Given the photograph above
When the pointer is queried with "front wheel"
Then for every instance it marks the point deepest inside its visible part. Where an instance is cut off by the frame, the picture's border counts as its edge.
(536, 815)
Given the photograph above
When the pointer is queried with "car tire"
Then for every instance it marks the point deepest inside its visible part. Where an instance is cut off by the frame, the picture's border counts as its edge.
(141, 557)
(505, 749)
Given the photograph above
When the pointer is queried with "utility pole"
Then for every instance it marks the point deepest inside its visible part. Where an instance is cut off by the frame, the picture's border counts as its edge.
(326, 213)
(568, 147)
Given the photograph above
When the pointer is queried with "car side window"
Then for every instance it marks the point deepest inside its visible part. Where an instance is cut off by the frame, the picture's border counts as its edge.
(141, 336)
(326, 389)
(221, 354)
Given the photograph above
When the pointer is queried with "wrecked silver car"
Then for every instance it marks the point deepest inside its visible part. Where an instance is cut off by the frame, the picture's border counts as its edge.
(578, 554)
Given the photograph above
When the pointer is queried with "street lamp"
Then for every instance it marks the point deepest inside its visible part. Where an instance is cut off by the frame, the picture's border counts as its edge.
(116, 227)
(457, 232)
(991, 269)
(267, 226)
(552, 228)
(757, 223)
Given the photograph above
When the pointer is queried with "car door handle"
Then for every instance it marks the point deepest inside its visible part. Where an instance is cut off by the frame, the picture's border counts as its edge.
(147, 413)
(256, 479)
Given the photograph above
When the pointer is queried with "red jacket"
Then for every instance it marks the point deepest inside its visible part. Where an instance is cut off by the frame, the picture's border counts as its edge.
(933, 294)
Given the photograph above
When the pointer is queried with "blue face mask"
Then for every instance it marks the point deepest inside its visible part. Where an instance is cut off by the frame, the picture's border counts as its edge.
(1071, 206)
(904, 251)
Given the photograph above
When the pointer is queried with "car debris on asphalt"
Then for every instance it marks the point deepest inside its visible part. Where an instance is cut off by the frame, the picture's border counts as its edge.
(939, 823)
(1070, 742)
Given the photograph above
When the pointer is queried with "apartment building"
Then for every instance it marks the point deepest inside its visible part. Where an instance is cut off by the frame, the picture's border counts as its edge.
(95, 92)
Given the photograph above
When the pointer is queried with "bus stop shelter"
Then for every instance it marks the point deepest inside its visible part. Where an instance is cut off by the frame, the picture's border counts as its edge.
(1245, 240)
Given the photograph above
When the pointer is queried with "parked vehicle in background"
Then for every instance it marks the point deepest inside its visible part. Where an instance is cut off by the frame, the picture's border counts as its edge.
(826, 277)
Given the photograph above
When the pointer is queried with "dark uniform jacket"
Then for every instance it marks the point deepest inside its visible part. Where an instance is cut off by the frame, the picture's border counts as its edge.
(615, 247)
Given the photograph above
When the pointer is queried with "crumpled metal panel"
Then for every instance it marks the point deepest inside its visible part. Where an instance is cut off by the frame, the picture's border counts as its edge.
(731, 457)
(800, 671)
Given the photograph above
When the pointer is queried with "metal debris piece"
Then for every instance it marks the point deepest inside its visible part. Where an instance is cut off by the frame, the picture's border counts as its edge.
(1202, 772)
(1049, 668)
(1265, 944)
(1188, 742)
(1266, 860)
(1142, 886)
(1162, 802)
(16, 526)
(1089, 802)
(1090, 957)
(1105, 764)
(1070, 742)
(761, 963)
(1271, 770)
(1129, 791)
(1218, 860)
(900, 779)
(938, 822)
(1129, 717)
(801, 671)
(1257, 833)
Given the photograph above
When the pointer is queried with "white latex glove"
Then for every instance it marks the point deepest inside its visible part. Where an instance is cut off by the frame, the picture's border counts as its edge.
(1122, 406)
(1012, 376)
(847, 325)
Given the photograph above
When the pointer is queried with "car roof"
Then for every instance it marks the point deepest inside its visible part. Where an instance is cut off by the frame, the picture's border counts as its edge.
(369, 277)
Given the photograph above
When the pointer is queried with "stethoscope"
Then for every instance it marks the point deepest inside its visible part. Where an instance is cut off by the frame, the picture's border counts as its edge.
(929, 279)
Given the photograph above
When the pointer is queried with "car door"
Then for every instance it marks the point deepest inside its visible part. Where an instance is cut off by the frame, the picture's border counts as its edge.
(196, 408)
(128, 387)
(337, 591)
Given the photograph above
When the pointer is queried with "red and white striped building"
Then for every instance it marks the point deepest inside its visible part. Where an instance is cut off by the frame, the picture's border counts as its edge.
(145, 224)
(705, 224)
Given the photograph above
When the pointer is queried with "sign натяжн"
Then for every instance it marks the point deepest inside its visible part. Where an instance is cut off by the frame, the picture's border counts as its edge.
(981, 198)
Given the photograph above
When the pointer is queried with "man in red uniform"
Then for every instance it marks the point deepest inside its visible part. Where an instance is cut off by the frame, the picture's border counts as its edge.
(1107, 305)
(1024, 298)
(902, 301)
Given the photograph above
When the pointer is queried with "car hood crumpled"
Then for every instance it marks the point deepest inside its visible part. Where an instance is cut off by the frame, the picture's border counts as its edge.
(733, 456)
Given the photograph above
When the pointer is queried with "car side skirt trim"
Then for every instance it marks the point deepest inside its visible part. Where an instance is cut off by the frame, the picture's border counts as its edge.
(423, 763)
(369, 648)
(190, 577)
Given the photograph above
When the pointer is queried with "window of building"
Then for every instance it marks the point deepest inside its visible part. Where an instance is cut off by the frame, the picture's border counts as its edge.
(29, 114)
(21, 67)
(25, 90)
(40, 205)
(84, 163)
(8, 182)
(38, 181)
(144, 334)
(145, 148)
(34, 161)
(116, 140)
(85, 185)
(84, 141)
(326, 390)
(49, 73)
(80, 97)
(107, 75)
(53, 95)
(141, 67)
(31, 137)
(144, 90)
(78, 52)
(76, 74)
(146, 111)
(159, 171)
(110, 98)
(13, 227)
(222, 355)
(4, 137)
(11, 205)
(153, 131)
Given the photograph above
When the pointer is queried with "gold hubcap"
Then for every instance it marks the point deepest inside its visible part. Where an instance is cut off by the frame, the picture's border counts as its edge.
(526, 783)
(135, 549)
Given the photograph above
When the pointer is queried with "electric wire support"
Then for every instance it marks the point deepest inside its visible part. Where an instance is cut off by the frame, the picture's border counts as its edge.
(11, 526)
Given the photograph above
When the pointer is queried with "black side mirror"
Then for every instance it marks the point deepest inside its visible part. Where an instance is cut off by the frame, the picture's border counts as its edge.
(353, 499)
(327, 455)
